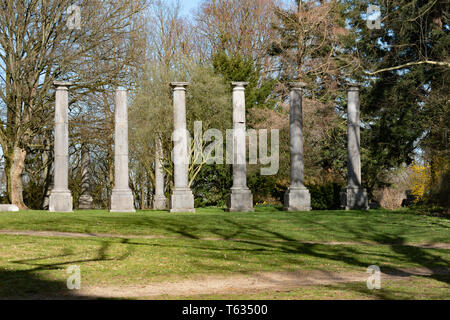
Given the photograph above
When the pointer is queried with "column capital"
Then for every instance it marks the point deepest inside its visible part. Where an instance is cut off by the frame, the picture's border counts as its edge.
(62, 84)
(353, 87)
(179, 85)
(238, 85)
(297, 85)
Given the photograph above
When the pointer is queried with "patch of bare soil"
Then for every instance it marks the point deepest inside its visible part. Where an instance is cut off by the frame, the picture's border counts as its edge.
(241, 284)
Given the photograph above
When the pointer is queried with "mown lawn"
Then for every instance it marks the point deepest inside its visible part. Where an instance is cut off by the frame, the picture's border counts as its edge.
(269, 240)
(378, 226)
(416, 288)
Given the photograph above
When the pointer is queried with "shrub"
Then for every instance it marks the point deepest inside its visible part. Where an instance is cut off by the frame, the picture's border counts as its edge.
(325, 196)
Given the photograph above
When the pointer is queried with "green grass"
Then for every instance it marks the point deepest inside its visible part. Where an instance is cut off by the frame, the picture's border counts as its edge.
(415, 288)
(378, 226)
(270, 241)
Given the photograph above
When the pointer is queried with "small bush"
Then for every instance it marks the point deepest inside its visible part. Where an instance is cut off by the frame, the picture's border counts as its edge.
(325, 196)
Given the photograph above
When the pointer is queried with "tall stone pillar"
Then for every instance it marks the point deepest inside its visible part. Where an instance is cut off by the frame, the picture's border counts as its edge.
(297, 197)
(121, 197)
(160, 201)
(182, 199)
(48, 178)
(61, 197)
(241, 198)
(85, 201)
(354, 196)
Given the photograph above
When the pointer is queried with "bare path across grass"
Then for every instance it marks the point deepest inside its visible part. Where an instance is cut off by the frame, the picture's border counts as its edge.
(250, 283)
(118, 236)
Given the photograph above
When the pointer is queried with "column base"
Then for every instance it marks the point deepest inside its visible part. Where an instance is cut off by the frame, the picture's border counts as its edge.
(85, 202)
(240, 200)
(182, 200)
(160, 203)
(8, 208)
(354, 199)
(122, 201)
(297, 199)
(60, 201)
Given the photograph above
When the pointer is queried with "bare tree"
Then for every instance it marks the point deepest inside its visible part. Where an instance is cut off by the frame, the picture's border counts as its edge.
(310, 43)
(38, 46)
(237, 26)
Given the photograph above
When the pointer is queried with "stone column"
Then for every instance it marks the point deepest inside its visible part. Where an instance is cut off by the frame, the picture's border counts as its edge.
(85, 201)
(241, 198)
(182, 199)
(121, 197)
(160, 201)
(297, 197)
(61, 197)
(354, 196)
(47, 175)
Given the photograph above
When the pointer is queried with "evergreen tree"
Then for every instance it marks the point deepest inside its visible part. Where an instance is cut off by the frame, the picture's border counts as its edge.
(404, 65)
(240, 67)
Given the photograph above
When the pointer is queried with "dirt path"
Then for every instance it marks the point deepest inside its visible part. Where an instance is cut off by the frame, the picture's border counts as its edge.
(241, 284)
(118, 236)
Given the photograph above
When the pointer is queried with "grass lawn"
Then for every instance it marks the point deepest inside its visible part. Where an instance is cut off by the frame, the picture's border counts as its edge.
(202, 243)
(378, 226)
(417, 288)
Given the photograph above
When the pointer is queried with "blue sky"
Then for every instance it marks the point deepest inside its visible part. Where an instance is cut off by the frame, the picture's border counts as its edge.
(188, 5)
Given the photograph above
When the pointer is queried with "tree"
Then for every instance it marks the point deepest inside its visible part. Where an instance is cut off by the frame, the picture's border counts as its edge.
(237, 27)
(310, 45)
(404, 65)
(237, 35)
(36, 48)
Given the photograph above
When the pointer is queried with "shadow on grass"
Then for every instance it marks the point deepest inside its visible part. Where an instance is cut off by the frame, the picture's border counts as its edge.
(350, 255)
(411, 290)
(32, 284)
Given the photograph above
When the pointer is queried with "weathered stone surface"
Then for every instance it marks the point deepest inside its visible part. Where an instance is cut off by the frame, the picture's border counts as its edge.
(8, 208)
(121, 197)
(85, 201)
(122, 201)
(60, 199)
(241, 198)
(160, 201)
(182, 199)
(354, 197)
(297, 197)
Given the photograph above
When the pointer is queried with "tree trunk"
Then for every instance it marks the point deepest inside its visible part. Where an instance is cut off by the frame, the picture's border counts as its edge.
(14, 169)
(142, 189)
(47, 175)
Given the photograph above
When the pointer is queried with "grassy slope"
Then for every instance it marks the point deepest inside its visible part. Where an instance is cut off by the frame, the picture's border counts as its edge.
(416, 288)
(266, 224)
(38, 264)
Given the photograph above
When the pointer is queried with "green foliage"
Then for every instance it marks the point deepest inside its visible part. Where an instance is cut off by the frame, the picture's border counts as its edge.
(431, 210)
(33, 194)
(310, 46)
(211, 187)
(403, 108)
(325, 196)
(242, 68)
(208, 100)
(265, 188)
